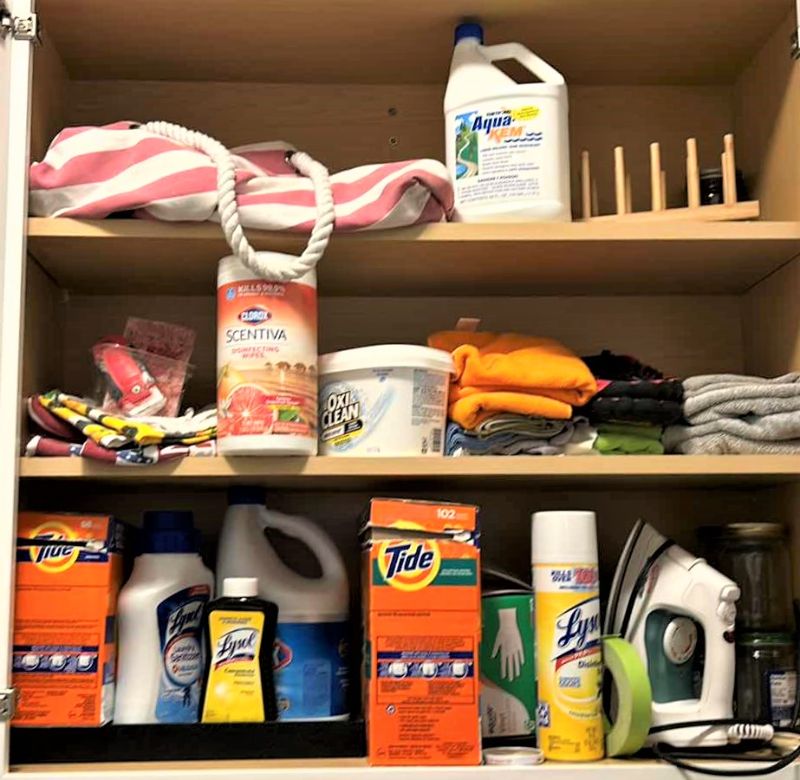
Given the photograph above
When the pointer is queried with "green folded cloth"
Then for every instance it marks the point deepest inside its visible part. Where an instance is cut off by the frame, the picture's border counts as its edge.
(629, 439)
(645, 430)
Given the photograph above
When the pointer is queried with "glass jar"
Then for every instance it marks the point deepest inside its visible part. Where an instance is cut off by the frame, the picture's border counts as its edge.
(711, 192)
(756, 557)
(766, 678)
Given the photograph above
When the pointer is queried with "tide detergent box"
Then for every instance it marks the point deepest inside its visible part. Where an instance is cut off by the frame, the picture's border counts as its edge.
(422, 623)
(69, 571)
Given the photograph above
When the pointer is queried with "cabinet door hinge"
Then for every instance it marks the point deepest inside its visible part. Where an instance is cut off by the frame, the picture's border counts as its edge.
(8, 703)
(20, 28)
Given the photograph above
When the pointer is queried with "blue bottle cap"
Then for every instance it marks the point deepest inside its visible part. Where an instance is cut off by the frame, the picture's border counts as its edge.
(469, 30)
(247, 494)
(170, 531)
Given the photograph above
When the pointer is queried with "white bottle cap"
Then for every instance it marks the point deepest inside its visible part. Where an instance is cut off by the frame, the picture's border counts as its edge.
(564, 537)
(240, 587)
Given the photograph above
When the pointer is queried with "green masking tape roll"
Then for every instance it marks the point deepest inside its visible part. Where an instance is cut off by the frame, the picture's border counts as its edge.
(634, 698)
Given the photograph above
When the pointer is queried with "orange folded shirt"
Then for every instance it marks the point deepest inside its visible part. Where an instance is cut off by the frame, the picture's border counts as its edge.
(508, 372)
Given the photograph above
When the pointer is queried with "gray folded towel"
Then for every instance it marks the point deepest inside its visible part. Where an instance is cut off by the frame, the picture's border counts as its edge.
(732, 413)
(536, 427)
(695, 384)
(728, 444)
(728, 398)
(771, 427)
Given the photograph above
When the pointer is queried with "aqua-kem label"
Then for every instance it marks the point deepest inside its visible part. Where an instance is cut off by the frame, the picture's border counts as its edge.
(499, 153)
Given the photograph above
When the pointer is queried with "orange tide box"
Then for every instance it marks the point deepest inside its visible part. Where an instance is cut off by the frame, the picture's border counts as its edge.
(422, 623)
(69, 571)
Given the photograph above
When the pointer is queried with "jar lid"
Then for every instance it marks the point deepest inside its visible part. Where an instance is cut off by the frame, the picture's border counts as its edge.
(765, 640)
(513, 756)
(754, 531)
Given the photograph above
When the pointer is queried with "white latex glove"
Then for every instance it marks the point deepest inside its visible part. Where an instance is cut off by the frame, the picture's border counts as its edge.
(509, 644)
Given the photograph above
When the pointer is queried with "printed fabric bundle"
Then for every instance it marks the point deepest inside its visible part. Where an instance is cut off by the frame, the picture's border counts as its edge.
(93, 172)
(72, 427)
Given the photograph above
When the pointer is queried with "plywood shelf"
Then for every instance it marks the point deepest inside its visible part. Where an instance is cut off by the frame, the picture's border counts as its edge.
(357, 769)
(730, 470)
(138, 256)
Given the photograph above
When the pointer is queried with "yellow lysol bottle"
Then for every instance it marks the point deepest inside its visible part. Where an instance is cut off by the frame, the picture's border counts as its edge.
(569, 661)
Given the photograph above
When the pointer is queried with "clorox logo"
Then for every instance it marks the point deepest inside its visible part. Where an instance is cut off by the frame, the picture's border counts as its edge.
(54, 557)
(254, 315)
(281, 655)
(409, 565)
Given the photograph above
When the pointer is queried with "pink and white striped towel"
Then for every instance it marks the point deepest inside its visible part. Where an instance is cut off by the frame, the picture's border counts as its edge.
(91, 172)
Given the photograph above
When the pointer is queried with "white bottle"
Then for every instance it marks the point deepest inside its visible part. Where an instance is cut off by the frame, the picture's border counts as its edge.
(160, 664)
(507, 144)
(311, 648)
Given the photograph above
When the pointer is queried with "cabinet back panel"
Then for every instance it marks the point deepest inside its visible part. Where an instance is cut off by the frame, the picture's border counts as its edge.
(771, 323)
(681, 335)
(768, 125)
(353, 124)
(505, 514)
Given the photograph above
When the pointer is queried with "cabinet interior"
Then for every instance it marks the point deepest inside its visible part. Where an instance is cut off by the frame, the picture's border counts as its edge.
(753, 88)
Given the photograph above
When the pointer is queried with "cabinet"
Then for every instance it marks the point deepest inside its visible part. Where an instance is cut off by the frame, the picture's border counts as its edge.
(355, 81)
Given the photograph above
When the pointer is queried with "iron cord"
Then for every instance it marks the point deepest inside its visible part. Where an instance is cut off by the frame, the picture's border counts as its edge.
(679, 762)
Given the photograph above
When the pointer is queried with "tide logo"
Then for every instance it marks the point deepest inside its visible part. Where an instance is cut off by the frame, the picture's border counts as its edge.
(54, 557)
(409, 565)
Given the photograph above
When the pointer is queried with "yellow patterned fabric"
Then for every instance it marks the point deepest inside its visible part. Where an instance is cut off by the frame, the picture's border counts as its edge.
(114, 432)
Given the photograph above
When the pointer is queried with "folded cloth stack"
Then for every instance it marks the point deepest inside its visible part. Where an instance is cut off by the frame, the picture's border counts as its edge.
(73, 427)
(733, 414)
(633, 403)
(514, 394)
(532, 436)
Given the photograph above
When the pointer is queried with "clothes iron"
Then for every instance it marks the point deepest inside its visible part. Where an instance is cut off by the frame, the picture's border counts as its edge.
(679, 614)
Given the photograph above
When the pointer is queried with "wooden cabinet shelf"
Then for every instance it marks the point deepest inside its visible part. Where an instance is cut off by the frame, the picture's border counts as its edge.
(349, 473)
(130, 256)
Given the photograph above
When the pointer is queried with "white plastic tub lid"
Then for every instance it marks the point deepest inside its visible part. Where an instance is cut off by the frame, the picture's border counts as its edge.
(387, 356)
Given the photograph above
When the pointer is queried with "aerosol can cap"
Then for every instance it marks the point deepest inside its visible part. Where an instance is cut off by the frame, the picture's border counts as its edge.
(564, 537)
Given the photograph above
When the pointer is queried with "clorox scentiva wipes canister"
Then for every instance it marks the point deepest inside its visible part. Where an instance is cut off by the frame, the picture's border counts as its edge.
(422, 623)
(266, 363)
(569, 661)
(507, 144)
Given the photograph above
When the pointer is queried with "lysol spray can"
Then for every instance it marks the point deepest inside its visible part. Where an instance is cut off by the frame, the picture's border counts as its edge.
(569, 658)
(508, 664)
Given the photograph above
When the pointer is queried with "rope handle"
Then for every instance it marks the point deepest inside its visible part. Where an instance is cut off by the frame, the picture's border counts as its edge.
(274, 266)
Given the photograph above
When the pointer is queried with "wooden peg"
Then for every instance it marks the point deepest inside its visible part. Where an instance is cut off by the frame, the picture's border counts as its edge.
(586, 185)
(628, 194)
(729, 172)
(692, 174)
(664, 189)
(656, 200)
(619, 179)
(595, 199)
